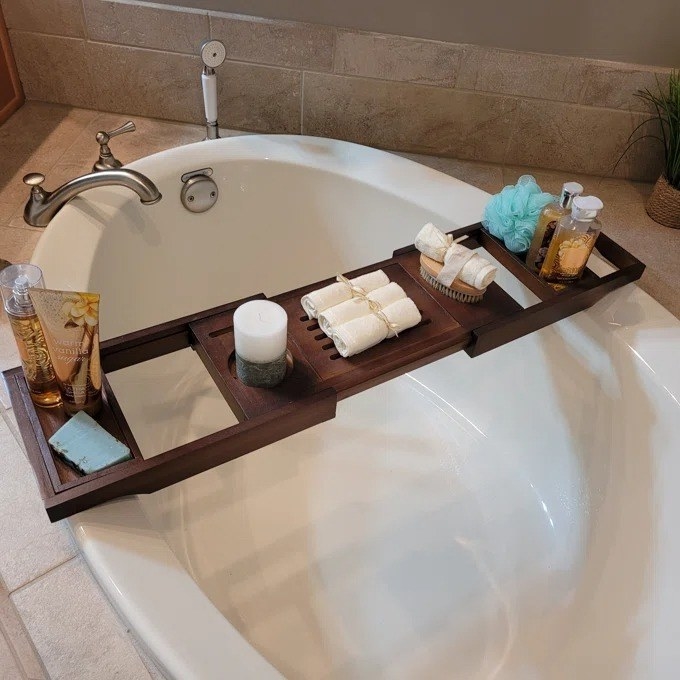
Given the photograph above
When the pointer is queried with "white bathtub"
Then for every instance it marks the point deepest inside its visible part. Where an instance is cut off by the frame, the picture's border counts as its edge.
(509, 516)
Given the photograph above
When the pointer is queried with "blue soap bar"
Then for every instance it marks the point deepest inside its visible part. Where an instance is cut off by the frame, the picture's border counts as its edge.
(87, 446)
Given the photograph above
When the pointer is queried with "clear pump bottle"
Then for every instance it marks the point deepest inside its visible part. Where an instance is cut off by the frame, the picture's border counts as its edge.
(547, 223)
(573, 242)
(15, 282)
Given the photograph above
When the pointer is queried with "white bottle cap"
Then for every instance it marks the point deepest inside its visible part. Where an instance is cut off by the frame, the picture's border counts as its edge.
(573, 188)
(586, 207)
(569, 191)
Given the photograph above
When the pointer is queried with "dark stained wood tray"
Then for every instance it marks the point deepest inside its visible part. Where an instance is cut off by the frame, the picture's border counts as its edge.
(318, 378)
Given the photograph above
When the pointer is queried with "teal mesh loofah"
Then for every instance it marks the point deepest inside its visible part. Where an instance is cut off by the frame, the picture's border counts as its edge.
(513, 214)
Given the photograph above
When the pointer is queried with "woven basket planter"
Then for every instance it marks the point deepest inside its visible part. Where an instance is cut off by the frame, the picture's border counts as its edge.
(663, 205)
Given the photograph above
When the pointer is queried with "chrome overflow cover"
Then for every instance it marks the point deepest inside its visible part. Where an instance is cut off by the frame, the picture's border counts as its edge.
(199, 192)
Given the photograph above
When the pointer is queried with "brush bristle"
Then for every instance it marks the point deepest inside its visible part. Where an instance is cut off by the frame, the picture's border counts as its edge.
(450, 292)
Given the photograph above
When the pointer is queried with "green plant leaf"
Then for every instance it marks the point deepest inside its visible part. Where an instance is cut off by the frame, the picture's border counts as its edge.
(666, 104)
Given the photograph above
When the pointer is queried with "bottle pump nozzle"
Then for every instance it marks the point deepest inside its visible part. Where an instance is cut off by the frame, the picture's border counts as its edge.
(20, 289)
(586, 207)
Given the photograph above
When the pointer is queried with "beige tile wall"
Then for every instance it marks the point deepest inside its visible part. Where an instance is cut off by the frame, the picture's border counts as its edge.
(394, 92)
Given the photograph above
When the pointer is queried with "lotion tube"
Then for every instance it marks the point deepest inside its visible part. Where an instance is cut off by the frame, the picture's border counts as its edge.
(70, 322)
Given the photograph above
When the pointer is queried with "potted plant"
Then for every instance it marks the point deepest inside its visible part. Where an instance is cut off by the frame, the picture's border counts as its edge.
(663, 205)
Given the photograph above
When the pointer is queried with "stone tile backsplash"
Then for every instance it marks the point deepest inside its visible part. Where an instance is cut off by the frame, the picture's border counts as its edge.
(544, 126)
(523, 74)
(614, 85)
(391, 57)
(143, 26)
(57, 17)
(394, 92)
(277, 43)
(406, 117)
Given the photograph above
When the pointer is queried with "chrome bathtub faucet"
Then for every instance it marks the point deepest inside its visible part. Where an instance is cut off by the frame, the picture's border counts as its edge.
(213, 54)
(43, 205)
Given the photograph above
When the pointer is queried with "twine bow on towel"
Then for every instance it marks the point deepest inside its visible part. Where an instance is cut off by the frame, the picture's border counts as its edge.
(454, 261)
(357, 291)
(444, 242)
(375, 307)
(377, 310)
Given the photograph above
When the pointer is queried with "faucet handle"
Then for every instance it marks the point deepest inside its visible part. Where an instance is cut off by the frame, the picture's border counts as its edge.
(104, 137)
(35, 180)
(107, 161)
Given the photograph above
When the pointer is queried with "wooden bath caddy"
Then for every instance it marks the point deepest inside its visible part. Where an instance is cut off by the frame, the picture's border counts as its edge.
(319, 377)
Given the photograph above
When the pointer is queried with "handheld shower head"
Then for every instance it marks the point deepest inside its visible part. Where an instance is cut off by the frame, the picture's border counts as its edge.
(213, 54)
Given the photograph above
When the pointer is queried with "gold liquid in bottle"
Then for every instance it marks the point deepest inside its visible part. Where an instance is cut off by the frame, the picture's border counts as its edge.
(15, 282)
(547, 223)
(35, 360)
(572, 243)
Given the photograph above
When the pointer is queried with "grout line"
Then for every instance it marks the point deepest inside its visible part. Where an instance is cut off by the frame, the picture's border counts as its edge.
(21, 227)
(511, 136)
(179, 9)
(143, 48)
(585, 82)
(334, 53)
(228, 60)
(23, 586)
(488, 93)
(79, 38)
(302, 104)
(254, 19)
(79, 134)
(10, 426)
(83, 16)
(12, 648)
(17, 662)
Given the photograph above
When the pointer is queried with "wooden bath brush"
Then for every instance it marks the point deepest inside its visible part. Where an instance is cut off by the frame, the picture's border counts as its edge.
(462, 292)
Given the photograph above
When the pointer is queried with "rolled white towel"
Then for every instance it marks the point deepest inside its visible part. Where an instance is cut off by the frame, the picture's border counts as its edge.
(319, 300)
(459, 262)
(433, 242)
(367, 331)
(352, 309)
(403, 314)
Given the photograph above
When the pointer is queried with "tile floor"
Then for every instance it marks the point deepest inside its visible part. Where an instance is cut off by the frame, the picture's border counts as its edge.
(39, 565)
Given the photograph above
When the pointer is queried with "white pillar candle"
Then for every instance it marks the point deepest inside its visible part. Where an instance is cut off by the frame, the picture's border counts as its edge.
(260, 331)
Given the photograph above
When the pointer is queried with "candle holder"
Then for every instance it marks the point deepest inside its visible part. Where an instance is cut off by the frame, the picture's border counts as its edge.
(260, 339)
(266, 374)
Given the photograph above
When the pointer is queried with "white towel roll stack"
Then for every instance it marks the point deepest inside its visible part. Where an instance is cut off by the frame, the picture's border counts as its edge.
(335, 316)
